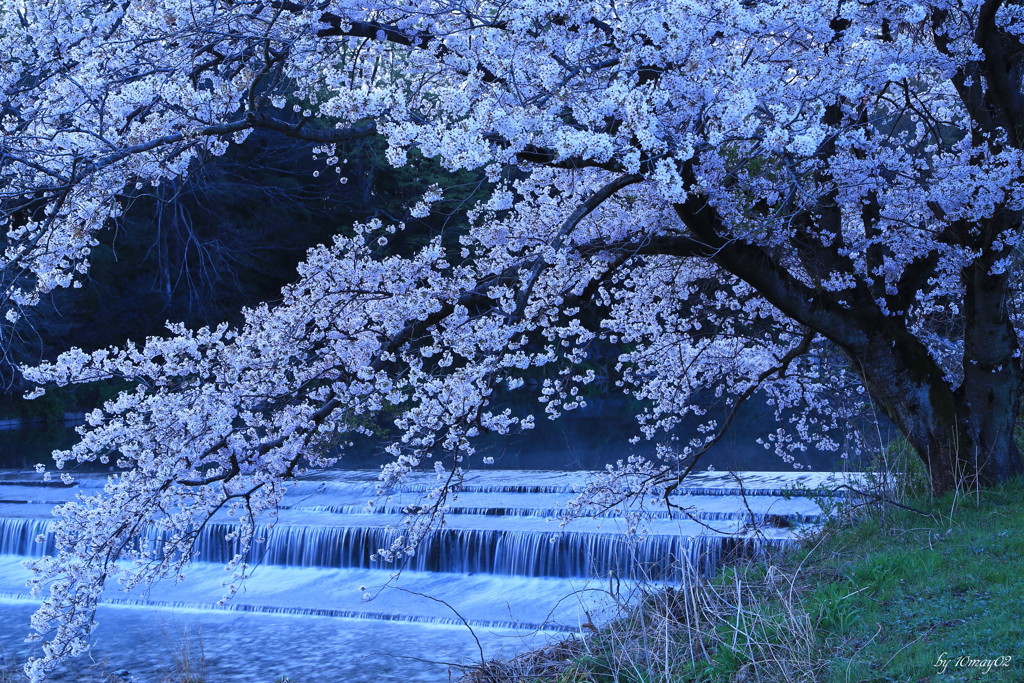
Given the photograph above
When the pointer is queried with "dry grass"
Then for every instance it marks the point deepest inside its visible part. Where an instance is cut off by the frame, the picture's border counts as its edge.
(189, 650)
(732, 628)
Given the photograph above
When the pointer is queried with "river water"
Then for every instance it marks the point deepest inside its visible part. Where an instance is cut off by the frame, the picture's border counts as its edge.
(501, 576)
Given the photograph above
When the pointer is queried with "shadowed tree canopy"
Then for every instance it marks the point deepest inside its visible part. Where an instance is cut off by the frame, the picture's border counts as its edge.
(817, 201)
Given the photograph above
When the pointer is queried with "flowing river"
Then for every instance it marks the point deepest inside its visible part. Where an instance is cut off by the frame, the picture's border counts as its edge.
(502, 575)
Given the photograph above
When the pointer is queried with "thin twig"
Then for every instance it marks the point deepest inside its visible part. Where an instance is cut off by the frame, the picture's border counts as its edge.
(877, 498)
(456, 612)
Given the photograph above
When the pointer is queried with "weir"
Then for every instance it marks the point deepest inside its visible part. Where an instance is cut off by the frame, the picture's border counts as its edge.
(518, 552)
(501, 561)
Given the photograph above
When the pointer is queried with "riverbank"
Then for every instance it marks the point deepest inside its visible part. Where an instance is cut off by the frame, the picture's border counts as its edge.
(885, 594)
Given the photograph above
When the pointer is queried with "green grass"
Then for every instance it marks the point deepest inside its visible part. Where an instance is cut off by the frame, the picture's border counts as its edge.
(915, 588)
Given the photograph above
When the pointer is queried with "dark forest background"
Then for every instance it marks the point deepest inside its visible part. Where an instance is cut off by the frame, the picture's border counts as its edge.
(230, 235)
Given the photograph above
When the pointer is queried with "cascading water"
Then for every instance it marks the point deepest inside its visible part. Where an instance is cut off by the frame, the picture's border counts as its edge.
(500, 565)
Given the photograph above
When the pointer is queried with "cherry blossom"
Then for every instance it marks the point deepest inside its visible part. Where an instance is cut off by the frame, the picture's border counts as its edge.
(817, 202)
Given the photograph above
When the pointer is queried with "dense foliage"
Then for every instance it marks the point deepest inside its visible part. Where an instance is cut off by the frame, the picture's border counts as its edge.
(818, 201)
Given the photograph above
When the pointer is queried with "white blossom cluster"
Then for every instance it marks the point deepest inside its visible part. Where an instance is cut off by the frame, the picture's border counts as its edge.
(737, 197)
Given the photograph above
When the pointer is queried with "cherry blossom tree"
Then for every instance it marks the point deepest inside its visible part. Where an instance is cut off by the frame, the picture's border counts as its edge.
(818, 201)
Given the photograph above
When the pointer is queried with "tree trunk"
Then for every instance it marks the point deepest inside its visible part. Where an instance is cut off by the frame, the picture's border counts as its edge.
(989, 397)
(961, 448)
(967, 454)
(965, 436)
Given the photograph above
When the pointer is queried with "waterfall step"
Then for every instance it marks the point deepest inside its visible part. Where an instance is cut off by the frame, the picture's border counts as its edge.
(507, 546)
(708, 496)
(687, 509)
(768, 510)
(419, 597)
(324, 523)
(509, 481)
(358, 615)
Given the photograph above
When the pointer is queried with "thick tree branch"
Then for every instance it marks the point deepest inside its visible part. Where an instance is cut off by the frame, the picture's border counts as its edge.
(1002, 68)
(582, 211)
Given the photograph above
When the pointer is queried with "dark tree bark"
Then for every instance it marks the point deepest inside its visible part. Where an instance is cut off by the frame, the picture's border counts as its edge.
(965, 436)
